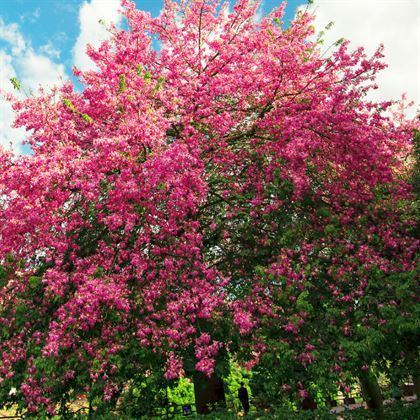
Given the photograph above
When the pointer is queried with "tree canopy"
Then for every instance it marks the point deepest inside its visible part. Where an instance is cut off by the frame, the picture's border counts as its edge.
(234, 190)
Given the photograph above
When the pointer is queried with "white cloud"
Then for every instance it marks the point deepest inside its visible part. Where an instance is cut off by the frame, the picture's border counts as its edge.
(394, 23)
(36, 14)
(50, 50)
(9, 137)
(35, 70)
(10, 34)
(91, 31)
(31, 69)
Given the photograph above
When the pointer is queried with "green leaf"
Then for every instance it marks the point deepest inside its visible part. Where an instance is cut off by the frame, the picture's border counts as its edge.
(302, 304)
(139, 69)
(323, 212)
(159, 84)
(329, 230)
(34, 281)
(147, 77)
(16, 84)
(339, 42)
(259, 270)
(123, 84)
(329, 26)
(99, 272)
(69, 105)
(87, 119)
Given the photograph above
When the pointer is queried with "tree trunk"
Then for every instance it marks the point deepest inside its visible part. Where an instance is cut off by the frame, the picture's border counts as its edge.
(416, 380)
(308, 403)
(412, 357)
(208, 392)
(372, 393)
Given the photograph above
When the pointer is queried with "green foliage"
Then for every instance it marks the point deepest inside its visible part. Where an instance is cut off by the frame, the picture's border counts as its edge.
(281, 412)
(399, 410)
(324, 212)
(237, 375)
(181, 392)
(146, 392)
(302, 303)
(3, 276)
(402, 410)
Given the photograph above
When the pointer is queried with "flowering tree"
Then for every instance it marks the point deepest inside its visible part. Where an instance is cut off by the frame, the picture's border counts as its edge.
(214, 195)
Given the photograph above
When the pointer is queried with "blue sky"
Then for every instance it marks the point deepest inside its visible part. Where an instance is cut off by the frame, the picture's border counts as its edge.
(40, 41)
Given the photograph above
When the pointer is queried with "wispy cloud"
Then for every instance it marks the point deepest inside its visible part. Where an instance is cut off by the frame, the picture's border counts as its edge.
(31, 17)
(50, 50)
(10, 33)
(9, 137)
(19, 59)
(37, 70)
(394, 23)
(91, 31)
